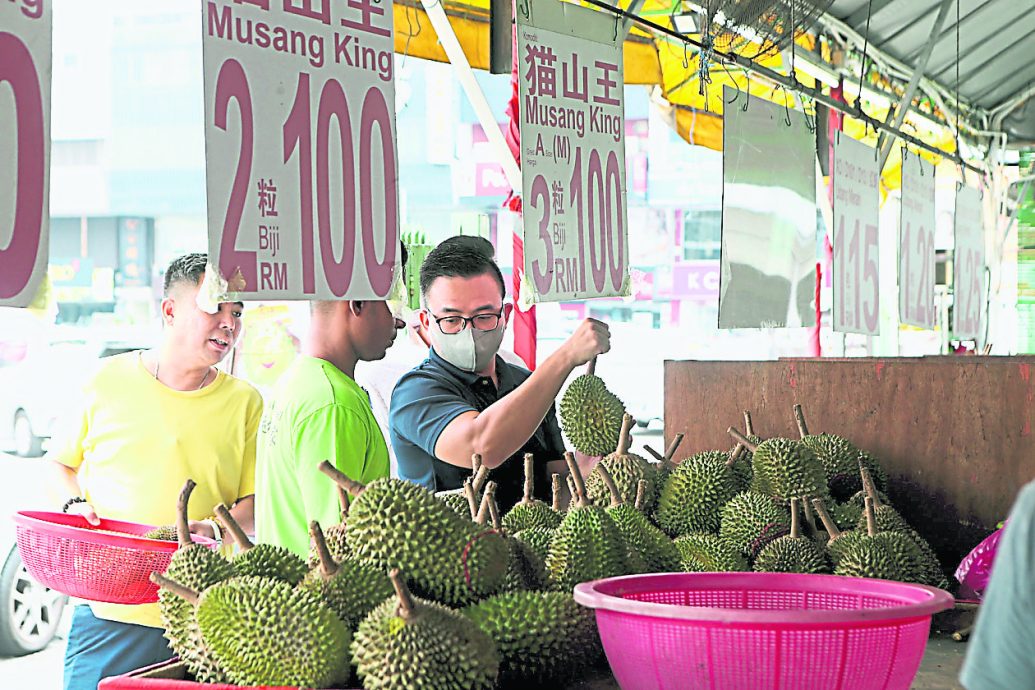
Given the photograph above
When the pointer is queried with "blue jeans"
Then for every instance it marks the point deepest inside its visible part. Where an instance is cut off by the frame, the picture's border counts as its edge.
(99, 649)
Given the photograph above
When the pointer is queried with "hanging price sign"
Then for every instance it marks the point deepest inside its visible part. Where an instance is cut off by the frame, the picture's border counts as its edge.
(25, 69)
(572, 152)
(916, 243)
(968, 275)
(300, 147)
(856, 250)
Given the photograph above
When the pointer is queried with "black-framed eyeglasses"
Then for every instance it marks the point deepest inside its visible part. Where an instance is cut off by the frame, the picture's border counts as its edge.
(451, 325)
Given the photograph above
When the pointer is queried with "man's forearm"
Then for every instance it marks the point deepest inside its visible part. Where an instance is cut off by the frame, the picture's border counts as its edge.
(504, 427)
(244, 512)
(66, 485)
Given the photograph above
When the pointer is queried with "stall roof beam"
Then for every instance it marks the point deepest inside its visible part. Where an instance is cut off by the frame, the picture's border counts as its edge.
(885, 142)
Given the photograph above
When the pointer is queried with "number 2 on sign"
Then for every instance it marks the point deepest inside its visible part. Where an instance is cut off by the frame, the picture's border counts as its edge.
(232, 84)
(919, 302)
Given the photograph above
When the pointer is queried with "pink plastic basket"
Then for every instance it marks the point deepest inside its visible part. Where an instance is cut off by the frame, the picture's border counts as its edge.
(762, 631)
(67, 554)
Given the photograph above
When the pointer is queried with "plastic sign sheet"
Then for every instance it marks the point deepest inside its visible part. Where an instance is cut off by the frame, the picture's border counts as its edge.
(968, 275)
(768, 260)
(301, 153)
(572, 152)
(856, 251)
(25, 70)
(916, 253)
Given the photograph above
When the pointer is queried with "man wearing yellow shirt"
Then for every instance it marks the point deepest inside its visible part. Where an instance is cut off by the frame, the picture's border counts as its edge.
(318, 412)
(151, 420)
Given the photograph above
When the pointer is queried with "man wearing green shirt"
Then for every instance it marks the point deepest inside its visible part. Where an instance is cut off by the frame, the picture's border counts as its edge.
(318, 412)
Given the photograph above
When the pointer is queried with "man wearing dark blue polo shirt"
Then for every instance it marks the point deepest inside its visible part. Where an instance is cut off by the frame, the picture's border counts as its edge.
(464, 399)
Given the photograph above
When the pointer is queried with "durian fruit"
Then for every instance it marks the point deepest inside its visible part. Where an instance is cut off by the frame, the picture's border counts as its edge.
(626, 469)
(703, 552)
(649, 549)
(880, 477)
(784, 468)
(887, 519)
(792, 554)
(586, 545)
(266, 632)
(664, 465)
(456, 499)
(351, 589)
(261, 560)
(590, 414)
(334, 535)
(163, 533)
(693, 497)
(526, 570)
(849, 514)
(537, 539)
(751, 520)
(544, 639)
(409, 642)
(529, 512)
(464, 501)
(883, 555)
(838, 540)
(394, 524)
(839, 457)
(197, 567)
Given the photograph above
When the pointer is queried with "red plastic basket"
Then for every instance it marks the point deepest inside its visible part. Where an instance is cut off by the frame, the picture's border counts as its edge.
(67, 554)
(762, 631)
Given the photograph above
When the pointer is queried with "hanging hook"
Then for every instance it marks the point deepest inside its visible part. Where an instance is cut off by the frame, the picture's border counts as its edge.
(686, 63)
(524, 9)
(732, 79)
(786, 109)
(617, 17)
(747, 94)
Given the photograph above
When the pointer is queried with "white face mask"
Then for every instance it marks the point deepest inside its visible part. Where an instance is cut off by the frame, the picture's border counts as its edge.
(470, 349)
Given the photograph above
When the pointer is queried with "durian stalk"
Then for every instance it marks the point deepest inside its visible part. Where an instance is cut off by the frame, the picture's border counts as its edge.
(480, 477)
(572, 493)
(735, 454)
(799, 418)
(327, 565)
(182, 525)
(795, 524)
(625, 438)
(828, 522)
(556, 479)
(749, 428)
(529, 479)
(186, 593)
(654, 454)
(868, 486)
(487, 498)
(591, 368)
(341, 479)
(871, 519)
(406, 606)
(670, 452)
(810, 519)
(234, 527)
(343, 501)
(641, 492)
(476, 463)
(576, 476)
(744, 440)
(472, 500)
(609, 482)
(494, 514)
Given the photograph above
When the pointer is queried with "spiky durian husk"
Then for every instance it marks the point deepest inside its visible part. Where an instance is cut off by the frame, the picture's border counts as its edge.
(840, 463)
(693, 497)
(352, 592)
(388, 527)
(586, 546)
(336, 544)
(528, 515)
(792, 555)
(751, 520)
(626, 469)
(591, 415)
(787, 469)
(703, 552)
(544, 639)
(649, 547)
(436, 648)
(266, 632)
(537, 539)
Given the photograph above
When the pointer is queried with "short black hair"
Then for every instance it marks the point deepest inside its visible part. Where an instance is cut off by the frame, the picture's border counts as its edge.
(189, 268)
(460, 257)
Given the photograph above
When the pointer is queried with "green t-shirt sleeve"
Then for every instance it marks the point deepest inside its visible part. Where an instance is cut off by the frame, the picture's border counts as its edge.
(333, 433)
(247, 482)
